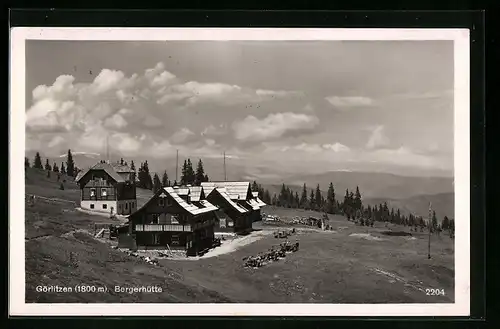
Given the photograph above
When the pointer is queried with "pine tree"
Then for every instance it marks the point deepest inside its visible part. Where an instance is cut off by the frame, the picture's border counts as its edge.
(26, 162)
(37, 163)
(63, 169)
(55, 168)
(47, 166)
(164, 179)
(206, 179)
(122, 162)
(254, 187)
(303, 197)
(330, 199)
(446, 223)
(434, 222)
(318, 198)
(274, 200)
(184, 173)
(312, 199)
(297, 200)
(266, 197)
(358, 205)
(190, 173)
(200, 174)
(70, 165)
(156, 183)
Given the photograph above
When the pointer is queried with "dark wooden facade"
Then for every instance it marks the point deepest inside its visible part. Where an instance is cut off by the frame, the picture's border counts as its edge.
(162, 223)
(229, 219)
(98, 185)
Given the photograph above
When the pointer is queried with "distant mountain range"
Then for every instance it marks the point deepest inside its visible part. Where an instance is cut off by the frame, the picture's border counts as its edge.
(409, 194)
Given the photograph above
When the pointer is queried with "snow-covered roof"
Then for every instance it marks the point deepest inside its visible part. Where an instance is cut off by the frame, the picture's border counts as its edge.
(254, 204)
(260, 202)
(191, 208)
(237, 190)
(223, 192)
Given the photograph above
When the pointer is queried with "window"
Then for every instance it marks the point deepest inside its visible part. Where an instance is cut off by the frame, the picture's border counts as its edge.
(91, 206)
(119, 207)
(222, 222)
(104, 206)
(104, 192)
(92, 192)
(161, 202)
(175, 239)
(175, 219)
(156, 238)
(126, 205)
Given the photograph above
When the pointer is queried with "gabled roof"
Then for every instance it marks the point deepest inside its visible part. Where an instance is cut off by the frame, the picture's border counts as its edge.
(196, 193)
(191, 208)
(119, 168)
(102, 166)
(254, 204)
(260, 202)
(236, 190)
(223, 192)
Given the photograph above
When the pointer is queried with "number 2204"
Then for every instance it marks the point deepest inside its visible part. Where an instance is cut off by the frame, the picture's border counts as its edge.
(434, 292)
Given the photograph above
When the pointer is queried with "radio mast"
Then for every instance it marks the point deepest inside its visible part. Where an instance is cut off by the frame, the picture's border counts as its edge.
(225, 176)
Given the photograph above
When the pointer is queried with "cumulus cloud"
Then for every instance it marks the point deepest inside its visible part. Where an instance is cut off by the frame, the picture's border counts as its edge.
(337, 147)
(272, 126)
(377, 138)
(181, 135)
(212, 130)
(349, 101)
(85, 113)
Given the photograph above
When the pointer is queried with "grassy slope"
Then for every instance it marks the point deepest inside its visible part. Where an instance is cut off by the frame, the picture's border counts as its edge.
(329, 267)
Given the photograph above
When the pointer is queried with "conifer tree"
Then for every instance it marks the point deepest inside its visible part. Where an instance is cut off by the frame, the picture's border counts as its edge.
(26, 162)
(70, 165)
(156, 183)
(358, 205)
(37, 163)
(200, 174)
(330, 199)
(434, 222)
(63, 169)
(312, 201)
(184, 173)
(318, 199)
(164, 179)
(55, 168)
(303, 197)
(190, 172)
(47, 166)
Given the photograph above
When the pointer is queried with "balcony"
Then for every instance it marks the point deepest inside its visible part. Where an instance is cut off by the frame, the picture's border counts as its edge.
(162, 228)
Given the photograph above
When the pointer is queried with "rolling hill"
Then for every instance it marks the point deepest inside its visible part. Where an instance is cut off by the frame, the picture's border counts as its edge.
(443, 204)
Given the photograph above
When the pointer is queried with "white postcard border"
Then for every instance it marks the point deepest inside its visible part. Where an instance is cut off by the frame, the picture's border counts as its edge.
(17, 305)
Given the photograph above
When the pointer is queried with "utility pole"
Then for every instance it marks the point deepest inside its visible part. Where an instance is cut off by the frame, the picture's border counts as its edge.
(225, 176)
(430, 225)
(176, 166)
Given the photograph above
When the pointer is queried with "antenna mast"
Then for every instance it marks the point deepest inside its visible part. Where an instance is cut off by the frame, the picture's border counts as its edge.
(176, 166)
(225, 176)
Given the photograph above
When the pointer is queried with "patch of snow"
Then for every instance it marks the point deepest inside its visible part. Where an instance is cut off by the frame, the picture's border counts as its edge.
(366, 236)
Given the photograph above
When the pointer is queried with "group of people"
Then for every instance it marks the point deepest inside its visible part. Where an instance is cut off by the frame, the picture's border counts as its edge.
(284, 234)
(273, 254)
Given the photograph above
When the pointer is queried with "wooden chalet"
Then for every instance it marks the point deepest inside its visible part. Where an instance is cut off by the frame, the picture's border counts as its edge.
(108, 188)
(175, 218)
(238, 208)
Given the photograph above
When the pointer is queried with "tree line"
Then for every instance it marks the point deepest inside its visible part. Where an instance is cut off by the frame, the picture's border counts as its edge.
(70, 169)
(188, 176)
(351, 207)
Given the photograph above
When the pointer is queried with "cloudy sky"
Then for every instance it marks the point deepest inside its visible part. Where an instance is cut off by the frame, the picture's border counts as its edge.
(316, 106)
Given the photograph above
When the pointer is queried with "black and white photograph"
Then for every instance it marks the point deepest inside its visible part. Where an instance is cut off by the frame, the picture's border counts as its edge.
(240, 171)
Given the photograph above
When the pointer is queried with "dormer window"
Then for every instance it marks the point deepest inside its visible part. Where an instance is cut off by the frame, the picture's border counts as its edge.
(104, 192)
